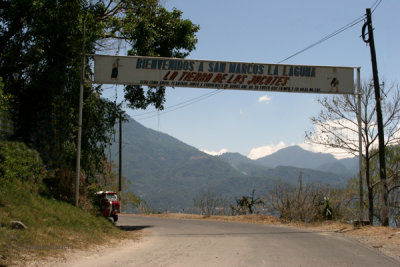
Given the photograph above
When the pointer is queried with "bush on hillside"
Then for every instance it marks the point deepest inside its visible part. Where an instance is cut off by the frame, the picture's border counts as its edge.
(21, 165)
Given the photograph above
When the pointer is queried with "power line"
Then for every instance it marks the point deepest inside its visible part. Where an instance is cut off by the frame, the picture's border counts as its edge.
(327, 37)
(342, 29)
(375, 5)
(207, 95)
(179, 106)
(184, 102)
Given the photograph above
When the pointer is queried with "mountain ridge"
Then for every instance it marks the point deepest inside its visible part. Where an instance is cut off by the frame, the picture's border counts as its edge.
(295, 156)
(170, 174)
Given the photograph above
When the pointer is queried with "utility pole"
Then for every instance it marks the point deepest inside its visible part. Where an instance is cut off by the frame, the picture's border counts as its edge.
(78, 146)
(360, 155)
(120, 153)
(381, 137)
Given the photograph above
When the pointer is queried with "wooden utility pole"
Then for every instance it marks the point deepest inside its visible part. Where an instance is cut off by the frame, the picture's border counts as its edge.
(381, 137)
(360, 155)
(79, 141)
(120, 153)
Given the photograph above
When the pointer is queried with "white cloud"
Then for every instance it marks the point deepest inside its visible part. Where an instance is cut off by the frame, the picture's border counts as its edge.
(241, 111)
(264, 98)
(345, 128)
(215, 153)
(262, 151)
(336, 152)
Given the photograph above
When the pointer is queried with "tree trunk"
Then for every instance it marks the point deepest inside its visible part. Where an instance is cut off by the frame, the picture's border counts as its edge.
(371, 205)
(370, 190)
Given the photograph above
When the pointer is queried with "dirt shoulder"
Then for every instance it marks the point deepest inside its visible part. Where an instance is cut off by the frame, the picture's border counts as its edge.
(46, 257)
(384, 239)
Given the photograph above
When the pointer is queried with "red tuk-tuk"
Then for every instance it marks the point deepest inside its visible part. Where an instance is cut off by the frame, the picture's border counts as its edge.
(109, 204)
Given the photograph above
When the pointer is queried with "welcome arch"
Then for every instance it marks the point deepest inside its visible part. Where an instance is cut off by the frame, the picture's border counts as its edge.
(177, 72)
(174, 72)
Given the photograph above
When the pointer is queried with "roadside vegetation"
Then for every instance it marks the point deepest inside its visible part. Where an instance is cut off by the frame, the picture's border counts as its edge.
(52, 226)
(337, 126)
(300, 203)
(41, 48)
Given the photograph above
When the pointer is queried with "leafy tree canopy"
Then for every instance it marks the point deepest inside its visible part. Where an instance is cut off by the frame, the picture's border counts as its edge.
(41, 44)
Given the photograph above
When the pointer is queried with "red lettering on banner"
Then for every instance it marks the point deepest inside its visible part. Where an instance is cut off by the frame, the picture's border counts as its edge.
(183, 75)
(199, 77)
(202, 77)
(172, 77)
(189, 76)
(240, 79)
(256, 79)
(208, 77)
(274, 80)
(269, 80)
(230, 78)
(219, 78)
(285, 79)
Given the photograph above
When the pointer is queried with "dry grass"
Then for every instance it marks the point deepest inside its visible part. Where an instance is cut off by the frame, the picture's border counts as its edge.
(53, 227)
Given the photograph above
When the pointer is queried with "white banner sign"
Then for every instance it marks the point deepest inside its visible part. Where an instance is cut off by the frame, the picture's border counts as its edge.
(175, 72)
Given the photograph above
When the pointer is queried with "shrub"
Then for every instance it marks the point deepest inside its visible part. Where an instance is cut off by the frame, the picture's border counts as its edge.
(20, 164)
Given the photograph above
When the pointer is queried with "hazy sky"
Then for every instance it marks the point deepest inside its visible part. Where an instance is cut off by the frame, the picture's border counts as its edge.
(258, 123)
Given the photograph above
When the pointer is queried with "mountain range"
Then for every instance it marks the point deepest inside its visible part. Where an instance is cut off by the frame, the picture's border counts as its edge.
(170, 174)
(294, 156)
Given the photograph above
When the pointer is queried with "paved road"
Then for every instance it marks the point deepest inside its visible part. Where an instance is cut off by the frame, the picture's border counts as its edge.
(170, 242)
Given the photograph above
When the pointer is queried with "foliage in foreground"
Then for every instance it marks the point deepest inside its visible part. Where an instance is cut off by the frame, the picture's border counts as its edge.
(41, 46)
(52, 226)
(19, 164)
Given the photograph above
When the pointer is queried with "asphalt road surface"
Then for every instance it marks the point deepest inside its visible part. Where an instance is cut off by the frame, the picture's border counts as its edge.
(173, 242)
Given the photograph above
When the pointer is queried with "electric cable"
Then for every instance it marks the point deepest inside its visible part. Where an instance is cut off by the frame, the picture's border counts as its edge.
(182, 103)
(375, 5)
(182, 106)
(342, 29)
(327, 37)
(186, 103)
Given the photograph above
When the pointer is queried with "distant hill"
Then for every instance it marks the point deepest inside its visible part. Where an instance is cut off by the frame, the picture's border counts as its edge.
(243, 164)
(169, 174)
(295, 156)
(165, 171)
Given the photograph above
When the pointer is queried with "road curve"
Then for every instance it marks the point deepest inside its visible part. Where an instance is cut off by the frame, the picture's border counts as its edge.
(174, 242)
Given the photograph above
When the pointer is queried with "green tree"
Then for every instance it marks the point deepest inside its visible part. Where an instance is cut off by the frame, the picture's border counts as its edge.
(6, 125)
(157, 32)
(40, 54)
(20, 165)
